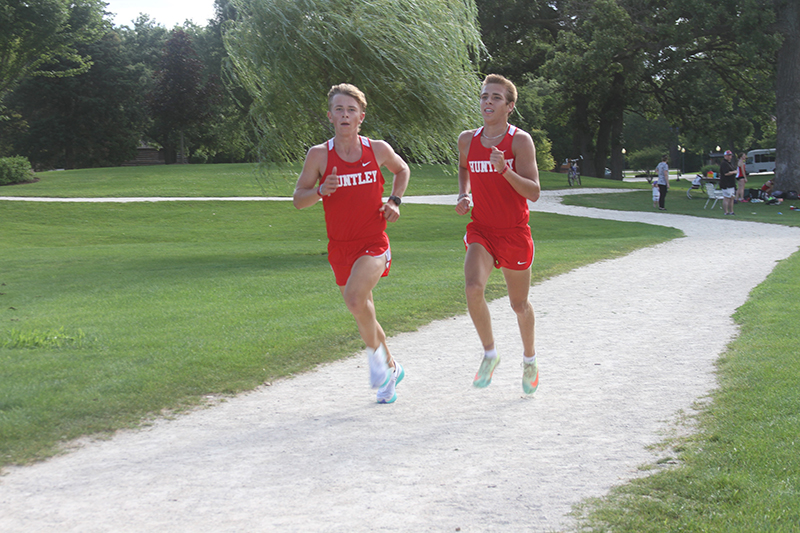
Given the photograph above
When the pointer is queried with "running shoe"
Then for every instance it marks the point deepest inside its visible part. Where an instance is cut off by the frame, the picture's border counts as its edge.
(530, 377)
(378, 369)
(484, 376)
(387, 394)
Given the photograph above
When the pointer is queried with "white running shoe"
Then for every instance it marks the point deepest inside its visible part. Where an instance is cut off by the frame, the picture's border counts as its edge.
(378, 369)
(387, 394)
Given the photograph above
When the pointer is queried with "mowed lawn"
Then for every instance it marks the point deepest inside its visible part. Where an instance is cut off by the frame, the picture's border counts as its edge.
(111, 314)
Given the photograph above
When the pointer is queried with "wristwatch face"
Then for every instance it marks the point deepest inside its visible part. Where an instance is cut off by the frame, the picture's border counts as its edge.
(397, 201)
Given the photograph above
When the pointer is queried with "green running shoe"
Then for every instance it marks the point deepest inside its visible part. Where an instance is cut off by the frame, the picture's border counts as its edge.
(484, 376)
(530, 377)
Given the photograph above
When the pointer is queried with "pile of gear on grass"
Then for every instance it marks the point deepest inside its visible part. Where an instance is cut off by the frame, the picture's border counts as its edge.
(766, 194)
(769, 195)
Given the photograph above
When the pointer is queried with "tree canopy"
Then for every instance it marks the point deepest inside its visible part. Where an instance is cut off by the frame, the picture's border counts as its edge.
(698, 73)
(37, 35)
(181, 98)
(414, 60)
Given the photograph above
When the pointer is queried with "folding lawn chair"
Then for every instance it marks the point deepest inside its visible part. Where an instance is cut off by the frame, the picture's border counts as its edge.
(713, 194)
(697, 183)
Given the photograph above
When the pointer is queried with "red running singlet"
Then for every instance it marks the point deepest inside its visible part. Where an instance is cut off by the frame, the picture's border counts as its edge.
(497, 204)
(352, 212)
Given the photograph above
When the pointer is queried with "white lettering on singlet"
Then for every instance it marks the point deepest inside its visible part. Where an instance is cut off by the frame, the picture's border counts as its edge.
(359, 178)
(482, 167)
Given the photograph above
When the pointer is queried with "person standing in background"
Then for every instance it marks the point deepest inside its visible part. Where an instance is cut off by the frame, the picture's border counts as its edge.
(727, 182)
(741, 177)
(656, 194)
(663, 182)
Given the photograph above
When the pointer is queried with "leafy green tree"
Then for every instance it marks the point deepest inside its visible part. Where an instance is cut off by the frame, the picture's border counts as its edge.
(518, 35)
(144, 43)
(598, 63)
(181, 100)
(36, 35)
(90, 120)
(229, 136)
(415, 60)
(787, 95)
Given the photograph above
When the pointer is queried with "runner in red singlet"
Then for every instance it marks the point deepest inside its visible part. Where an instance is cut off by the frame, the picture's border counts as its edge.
(345, 173)
(497, 164)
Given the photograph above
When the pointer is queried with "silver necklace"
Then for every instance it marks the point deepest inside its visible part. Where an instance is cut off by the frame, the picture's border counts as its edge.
(483, 133)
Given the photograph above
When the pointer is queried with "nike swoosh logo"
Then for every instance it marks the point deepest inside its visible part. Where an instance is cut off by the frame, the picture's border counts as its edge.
(365, 164)
(521, 262)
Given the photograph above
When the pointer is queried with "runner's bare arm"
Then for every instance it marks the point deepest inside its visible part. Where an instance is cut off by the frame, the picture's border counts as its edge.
(463, 202)
(306, 191)
(525, 176)
(387, 157)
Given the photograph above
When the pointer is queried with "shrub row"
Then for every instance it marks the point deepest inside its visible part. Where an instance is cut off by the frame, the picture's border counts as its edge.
(15, 170)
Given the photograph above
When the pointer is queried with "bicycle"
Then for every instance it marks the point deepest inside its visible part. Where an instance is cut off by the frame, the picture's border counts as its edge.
(573, 174)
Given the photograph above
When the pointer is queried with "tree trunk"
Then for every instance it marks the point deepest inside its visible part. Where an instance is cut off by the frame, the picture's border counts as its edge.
(182, 157)
(582, 136)
(601, 148)
(787, 96)
(617, 160)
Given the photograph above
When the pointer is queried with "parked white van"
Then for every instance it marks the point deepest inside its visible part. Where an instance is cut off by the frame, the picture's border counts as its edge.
(760, 161)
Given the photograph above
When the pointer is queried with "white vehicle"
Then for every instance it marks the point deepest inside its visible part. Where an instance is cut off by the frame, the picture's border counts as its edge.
(760, 161)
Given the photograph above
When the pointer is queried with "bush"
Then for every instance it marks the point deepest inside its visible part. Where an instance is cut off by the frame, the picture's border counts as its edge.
(544, 156)
(199, 156)
(15, 170)
(709, 168)
(645, 159)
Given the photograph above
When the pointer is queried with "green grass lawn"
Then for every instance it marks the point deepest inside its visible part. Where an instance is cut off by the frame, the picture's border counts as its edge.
(114, 313)
(111, 313)
(232, 180)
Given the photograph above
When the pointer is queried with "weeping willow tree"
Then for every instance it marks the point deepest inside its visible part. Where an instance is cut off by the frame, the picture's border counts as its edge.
(414, 59)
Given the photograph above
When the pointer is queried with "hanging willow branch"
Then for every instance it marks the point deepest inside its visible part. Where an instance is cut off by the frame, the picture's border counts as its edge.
(414, 59)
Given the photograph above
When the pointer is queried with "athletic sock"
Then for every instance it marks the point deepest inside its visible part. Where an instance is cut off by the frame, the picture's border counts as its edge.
(529, 360)
(490, 354)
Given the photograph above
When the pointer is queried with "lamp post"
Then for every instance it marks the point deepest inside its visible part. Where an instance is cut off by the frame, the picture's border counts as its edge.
(683, 154)
(623, 162)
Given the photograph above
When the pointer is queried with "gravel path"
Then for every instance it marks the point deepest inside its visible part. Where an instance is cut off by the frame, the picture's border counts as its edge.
(624, 346)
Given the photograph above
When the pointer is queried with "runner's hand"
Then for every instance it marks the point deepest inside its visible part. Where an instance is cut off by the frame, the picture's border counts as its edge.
(498, 159)
(330, 184)
(390, 211)
(462, 206)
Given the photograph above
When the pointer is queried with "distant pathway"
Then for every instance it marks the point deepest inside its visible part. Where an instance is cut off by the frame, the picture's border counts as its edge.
(625, 345)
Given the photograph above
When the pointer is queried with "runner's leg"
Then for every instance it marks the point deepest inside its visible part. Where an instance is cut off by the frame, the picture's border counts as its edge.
(357, 294)
(519, 284)
(478, 265)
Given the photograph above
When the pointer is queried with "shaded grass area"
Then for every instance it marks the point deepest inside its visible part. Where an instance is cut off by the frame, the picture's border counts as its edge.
(112, 313)
(240, 179)
(741, 471)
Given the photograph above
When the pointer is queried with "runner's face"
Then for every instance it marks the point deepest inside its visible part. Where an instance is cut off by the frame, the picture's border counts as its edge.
(345, 113)
(493, 103)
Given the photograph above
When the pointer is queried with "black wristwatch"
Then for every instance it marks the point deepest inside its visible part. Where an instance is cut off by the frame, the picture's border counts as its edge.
(396, 199)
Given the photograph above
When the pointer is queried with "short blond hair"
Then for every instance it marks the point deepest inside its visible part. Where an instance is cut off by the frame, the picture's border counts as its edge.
(511, 89)
(348, 90)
